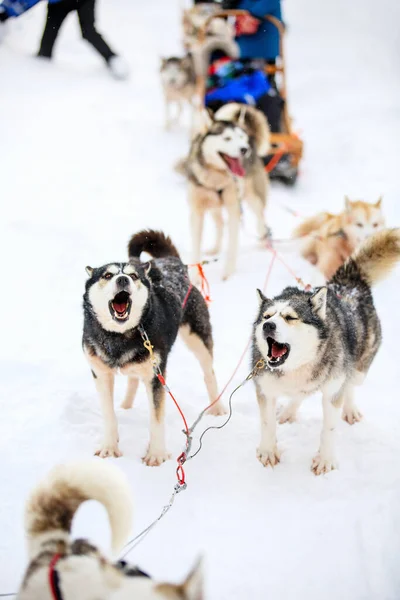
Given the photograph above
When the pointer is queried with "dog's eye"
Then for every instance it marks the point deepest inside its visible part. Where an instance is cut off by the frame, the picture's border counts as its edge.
(360, 225)
(107, 276)
(290, 318)
(375, 224)
(227, 139)
(134, 276)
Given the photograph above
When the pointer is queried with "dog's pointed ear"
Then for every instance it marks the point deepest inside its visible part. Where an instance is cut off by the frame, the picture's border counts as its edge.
(347, 203)
(318, 302)
(190, 589)
(261, 297)
(379, 203)
(147, 267)
(89, 271)
(193, 585)
(242, 117)
(202, 120)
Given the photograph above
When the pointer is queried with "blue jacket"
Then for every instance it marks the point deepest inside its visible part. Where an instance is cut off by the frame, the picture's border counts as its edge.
(15, 8)
(265, 42)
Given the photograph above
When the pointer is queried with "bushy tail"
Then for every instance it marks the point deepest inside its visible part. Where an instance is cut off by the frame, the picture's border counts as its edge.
(373, 260)
(251, 120)
(156, 243)
(54, 502)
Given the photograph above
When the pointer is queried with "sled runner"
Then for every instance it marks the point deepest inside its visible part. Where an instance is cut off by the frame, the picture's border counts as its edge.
(287, 147)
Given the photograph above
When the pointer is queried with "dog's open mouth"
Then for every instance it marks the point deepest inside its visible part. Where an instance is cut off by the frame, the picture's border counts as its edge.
(234, 164)
(277, 353)
(120, 306)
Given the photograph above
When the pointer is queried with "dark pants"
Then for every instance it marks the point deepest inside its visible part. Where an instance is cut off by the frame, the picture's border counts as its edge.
(56, 14)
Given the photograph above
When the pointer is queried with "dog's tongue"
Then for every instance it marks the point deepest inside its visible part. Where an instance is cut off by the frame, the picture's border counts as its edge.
(278, 350)
(235, 166)
(120, 307)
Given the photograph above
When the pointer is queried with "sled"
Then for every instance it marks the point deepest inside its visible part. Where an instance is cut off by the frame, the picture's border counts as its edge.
(286, 142)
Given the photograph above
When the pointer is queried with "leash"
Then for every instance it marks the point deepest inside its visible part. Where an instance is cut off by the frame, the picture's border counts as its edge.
(181, 484)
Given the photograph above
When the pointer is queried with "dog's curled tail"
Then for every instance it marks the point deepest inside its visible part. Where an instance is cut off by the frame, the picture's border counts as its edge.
(374, 259)
(251, 120)
(53, 503)
(156, 243)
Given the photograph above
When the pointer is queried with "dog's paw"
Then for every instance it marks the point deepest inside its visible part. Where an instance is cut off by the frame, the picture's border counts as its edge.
(227, 272)
(155, 459)
(321, 465)
(109, 450)
(217, 410)
(352, 415)
(287, 416)
(269, 456)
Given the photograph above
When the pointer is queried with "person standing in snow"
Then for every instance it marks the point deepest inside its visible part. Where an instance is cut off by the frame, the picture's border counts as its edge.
(57, 11)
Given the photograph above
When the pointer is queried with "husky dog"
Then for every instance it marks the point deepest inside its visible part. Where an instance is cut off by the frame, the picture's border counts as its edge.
(330, 239)
(178, 81)
(122, 303)
(75, 569)
(222, 168)
(322, 340)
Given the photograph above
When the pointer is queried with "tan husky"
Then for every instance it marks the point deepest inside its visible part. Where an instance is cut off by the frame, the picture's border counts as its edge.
(224, 168)
(330, 239)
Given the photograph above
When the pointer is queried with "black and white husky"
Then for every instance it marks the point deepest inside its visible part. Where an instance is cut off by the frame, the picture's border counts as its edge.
(122, 303)
(322, 341)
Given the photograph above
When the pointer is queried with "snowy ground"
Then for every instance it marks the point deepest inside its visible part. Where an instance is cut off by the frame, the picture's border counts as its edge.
(84, 163)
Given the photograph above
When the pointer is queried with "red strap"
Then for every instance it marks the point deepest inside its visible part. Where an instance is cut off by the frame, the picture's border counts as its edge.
(187, 295)
(53, 578)
(205, 286)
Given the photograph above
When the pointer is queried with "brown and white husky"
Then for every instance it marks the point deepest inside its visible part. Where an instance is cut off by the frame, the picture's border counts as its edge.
(330, 239)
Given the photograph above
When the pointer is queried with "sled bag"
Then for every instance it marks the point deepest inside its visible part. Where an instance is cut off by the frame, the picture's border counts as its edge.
(245, 89)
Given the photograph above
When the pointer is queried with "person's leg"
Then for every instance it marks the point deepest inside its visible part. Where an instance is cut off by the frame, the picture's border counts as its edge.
(86, 17)
(56, 14)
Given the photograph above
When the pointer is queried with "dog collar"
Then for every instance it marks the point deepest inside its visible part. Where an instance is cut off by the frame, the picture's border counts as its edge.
(54, 579)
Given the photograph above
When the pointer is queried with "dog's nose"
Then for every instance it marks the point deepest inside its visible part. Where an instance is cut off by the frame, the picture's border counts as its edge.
(123, 281)
(243, 150)
(269, 327)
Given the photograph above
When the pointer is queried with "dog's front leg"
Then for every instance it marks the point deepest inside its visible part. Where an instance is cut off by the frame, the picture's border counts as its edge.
(267, 452)
(325, 460)
(157, 452)
(233, 209)
(167, 114)
(105, 388)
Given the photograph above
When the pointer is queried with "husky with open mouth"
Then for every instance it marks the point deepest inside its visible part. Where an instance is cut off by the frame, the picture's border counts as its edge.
(124, 303)
(323, 340)
(222, 170)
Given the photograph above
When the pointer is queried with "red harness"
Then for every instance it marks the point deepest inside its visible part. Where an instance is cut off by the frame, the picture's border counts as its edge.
(54, 580)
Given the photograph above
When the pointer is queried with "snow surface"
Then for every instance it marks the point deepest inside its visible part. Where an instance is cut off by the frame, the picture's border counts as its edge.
(85, 162)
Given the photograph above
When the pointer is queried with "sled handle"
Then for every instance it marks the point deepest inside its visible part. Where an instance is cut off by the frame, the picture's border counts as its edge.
(237, 13)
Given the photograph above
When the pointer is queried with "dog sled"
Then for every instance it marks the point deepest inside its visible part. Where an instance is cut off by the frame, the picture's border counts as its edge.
(286, 146)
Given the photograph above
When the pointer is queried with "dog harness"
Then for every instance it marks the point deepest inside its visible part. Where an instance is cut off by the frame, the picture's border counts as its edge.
(192, 177)
(54, 579)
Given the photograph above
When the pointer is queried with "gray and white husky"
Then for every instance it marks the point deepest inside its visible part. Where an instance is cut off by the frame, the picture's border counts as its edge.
(178, 80)
(323, 340)
(224, 168)
(67, 569)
